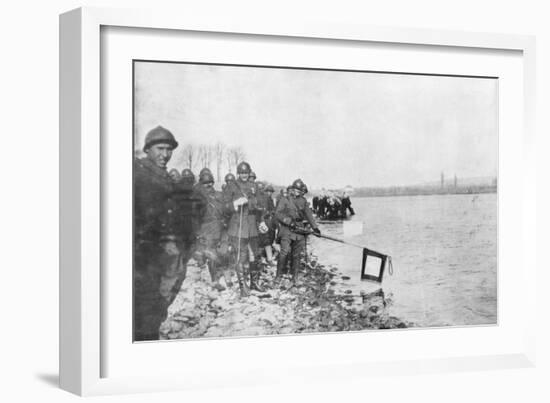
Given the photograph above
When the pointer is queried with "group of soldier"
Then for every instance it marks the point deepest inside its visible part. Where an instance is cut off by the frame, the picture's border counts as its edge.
(332, 207)
(178, 217)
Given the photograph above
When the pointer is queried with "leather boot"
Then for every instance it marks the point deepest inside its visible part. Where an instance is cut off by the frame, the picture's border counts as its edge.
(281, 263)
(212, 270)
(242, 283)
(255, 278)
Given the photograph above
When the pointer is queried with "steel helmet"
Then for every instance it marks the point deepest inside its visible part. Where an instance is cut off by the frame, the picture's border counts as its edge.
(174, 174)
(252, 175)
(229, 178)
(159, 135)
(205, 169)
(243, 168)
(206, 177)
(187, 176)
(269, 188)
(300, 185)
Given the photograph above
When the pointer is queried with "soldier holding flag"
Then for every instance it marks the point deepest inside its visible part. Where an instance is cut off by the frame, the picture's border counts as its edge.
(292, 213)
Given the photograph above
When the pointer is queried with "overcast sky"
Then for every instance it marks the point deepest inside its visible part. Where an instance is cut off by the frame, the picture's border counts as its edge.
(329, 128)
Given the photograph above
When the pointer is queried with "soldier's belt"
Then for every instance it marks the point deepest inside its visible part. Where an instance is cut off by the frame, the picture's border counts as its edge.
(301, 231)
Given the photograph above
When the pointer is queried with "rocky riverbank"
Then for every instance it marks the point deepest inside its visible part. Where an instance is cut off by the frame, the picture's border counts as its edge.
(312, 305)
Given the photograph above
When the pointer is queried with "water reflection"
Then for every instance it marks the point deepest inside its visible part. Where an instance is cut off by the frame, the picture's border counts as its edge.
(444, 251)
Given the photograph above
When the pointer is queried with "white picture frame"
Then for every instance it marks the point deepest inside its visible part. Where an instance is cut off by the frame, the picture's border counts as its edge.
(82, 305)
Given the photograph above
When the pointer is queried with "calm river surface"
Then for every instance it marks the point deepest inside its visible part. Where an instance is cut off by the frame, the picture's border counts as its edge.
(444, 250)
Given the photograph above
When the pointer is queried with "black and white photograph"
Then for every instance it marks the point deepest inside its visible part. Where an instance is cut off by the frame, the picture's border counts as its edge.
(275, 200)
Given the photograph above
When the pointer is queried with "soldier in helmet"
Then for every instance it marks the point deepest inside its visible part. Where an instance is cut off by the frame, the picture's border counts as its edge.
(346, 205)
(229, 181)
(225, 245)
(190, 210)
(243, 229)
(252, 176)
(315, 204)
(174, 174)
(267, 230)
(156, 245)
(229, 178)
(283, 194)
(187, 177)
(198, 186)
(211, 234)
(292, 213)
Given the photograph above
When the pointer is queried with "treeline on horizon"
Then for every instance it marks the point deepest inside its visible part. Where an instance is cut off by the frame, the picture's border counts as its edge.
(219, 158)
(222, 159)
(423, 190)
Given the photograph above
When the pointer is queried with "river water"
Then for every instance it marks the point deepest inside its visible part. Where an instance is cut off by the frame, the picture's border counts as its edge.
(444, 252)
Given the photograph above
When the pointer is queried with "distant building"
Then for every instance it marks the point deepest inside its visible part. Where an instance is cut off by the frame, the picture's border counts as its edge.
(442, 180)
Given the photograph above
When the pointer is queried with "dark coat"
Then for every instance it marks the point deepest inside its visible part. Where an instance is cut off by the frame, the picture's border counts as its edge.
(249, 225)
(270, 204)
(153, 203)
(266, 206)
(293, 210)
(191, 209)
(218, 209)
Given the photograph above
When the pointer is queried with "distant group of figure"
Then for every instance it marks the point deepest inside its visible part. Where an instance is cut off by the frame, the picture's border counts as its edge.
(331, 207)
(177, 218)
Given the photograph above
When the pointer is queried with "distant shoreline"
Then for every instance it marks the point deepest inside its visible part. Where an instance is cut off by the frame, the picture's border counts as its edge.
(418, 191)
(389, 193)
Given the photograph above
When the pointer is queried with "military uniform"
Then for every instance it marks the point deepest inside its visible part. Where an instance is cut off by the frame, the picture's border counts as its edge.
(266, 211)
(315, 204)
(243, 225)
(292, 211)
(249, 224)
(156, 252)
(321, 207)
(346, 205)
(213, 244)
(190, 212)
(243, 230)
(333, 208)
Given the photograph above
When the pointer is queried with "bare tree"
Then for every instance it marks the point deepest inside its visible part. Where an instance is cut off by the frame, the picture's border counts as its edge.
(211, 153)
(219, 150)
(205, 154)
(201, 151)
(188, 155)
(237, 155)
(229, 160)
